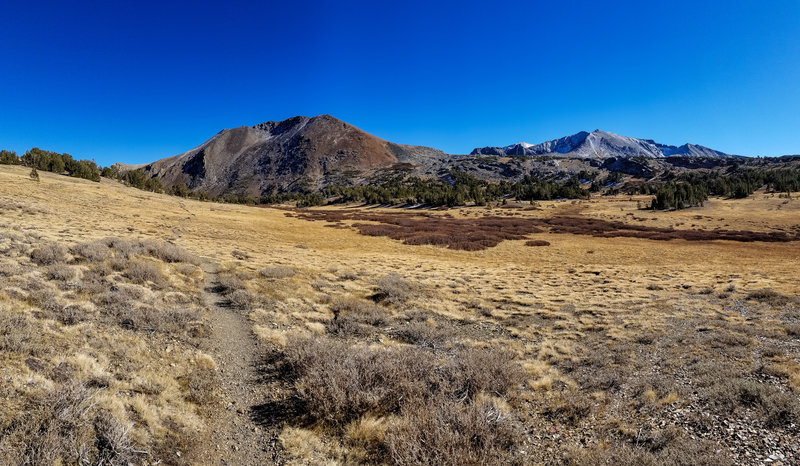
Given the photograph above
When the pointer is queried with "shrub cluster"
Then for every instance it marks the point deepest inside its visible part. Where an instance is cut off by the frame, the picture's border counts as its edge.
(442, 408)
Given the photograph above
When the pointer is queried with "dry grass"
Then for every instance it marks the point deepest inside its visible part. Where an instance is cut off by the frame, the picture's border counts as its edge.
(613, 326)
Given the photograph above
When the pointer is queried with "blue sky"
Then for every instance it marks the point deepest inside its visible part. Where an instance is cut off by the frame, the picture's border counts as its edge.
(138, 81)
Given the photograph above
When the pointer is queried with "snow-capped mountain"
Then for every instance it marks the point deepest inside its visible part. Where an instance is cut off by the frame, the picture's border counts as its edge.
(601, 145)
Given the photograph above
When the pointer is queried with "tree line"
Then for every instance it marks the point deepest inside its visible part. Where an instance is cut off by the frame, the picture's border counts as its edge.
(692, 189)
(53, 162)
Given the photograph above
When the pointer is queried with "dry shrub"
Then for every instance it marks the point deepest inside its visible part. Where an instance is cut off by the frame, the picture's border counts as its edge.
(569, 406)
(339, 383)
(777, 408)
(449, 432)
(355, 317)
(94, 251)
(67, 427)
(170, 321)
(229, 282)
(771, 297)
(60, 272)
(483, 370)
(109, 248)
(9, 269)
(276, 272)
(393, 289)
(18, 335)
(201, 386)
(243, 299)
(424, 334)
(48, 254)
(169, 252)
(680, 452)
(144, 272)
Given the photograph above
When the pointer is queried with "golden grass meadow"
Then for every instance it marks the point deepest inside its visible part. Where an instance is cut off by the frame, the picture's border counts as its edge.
(142, 328)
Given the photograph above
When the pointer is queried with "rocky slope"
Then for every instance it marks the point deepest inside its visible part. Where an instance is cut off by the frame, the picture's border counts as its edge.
(303, 153)
(279, 156)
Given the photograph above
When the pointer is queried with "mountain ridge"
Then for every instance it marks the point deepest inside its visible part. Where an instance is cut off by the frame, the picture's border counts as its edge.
(601, 145)
(309, 153)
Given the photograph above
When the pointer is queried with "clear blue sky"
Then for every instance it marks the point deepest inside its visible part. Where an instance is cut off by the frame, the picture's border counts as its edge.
(137, 81)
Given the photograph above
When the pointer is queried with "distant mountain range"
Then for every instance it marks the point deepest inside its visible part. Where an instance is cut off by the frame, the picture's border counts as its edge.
(601, 145)
(303, 153)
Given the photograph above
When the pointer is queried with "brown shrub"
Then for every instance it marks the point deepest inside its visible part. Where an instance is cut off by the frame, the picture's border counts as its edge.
(201, 386)
(9, 269)
(423, 334)
(49, 253)
(229, 282)
(59, 272)
(168, 252)
(276, 272)
(679, 452)
(472, 234)
(242, 299)
(393, 289)
(355, 317)
(537, 242)
(144, 272)
(777, 407)
(449, 432)
(94, 251)
(66, 427)
(18, 335)
(771, 297)
(339, 383)
(482, 370)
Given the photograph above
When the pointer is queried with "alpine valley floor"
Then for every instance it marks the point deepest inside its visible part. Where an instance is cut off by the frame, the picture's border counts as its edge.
(151, 329)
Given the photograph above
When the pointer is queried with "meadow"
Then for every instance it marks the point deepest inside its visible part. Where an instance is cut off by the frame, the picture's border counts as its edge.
(149, 329)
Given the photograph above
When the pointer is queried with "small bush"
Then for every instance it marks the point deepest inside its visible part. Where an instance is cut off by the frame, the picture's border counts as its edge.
(169, 252)
(9, 269)
(276, 272)
(423, 334)
(771, 297)
(67, 427)
(144, 272)
(94, 251)
(355, 317)
(778, 408)
(228, 283)
(339, 383)
(17, 335)
(481, 370)
(60, 273)
(394, 289)
(49, 253)
(448, 432)
(242, 299)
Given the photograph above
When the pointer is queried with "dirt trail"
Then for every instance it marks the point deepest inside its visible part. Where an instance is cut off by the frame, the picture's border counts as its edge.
(238, 440)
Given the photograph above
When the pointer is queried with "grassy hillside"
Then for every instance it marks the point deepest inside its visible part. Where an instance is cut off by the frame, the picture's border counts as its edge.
(149, 328)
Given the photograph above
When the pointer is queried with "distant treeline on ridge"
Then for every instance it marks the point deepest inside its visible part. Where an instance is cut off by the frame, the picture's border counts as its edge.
(670, 191)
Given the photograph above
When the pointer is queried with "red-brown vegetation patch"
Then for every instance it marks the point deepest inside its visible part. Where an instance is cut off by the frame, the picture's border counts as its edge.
(473, 234)
(537, 242)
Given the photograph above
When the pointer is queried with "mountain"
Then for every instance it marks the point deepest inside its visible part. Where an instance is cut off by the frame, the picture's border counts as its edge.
(600, 145)
(279, 156)
(309, 153)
